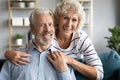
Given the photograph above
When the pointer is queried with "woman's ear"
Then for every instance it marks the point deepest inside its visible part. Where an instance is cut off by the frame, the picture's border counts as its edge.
(56, 21)
(57, 18)
(78, 24)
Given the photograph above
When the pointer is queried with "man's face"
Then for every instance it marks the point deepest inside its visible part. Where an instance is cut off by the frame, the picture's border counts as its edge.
(43, 28)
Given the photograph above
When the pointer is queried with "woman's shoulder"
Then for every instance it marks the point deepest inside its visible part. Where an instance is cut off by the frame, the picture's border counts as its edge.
(80, 33)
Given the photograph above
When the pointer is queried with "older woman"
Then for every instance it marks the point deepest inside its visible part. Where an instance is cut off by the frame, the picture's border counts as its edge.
(70, 43)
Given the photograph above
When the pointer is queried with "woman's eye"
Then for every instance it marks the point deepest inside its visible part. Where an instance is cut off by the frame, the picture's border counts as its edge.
(74, 20)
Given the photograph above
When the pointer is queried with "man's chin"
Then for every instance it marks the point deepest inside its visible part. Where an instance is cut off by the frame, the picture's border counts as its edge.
(45, 43)
(47, 39)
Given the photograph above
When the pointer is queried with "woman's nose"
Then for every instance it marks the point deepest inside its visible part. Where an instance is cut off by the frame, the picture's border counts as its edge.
(69, 23)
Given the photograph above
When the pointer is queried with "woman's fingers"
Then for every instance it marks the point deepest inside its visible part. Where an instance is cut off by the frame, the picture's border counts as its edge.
(49, 57)
(23, 54)
(14, 62)
(20, 60)
(53, 55)
(23, 60)
(17, 57)
(57, 61)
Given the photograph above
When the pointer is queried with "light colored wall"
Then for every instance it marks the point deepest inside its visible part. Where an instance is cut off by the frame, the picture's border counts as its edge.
(4, 32)
(104, 18)
(3, 27)
(48, 3)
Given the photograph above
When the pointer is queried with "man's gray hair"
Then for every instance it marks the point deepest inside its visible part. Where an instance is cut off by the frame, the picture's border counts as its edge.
(39, 11)
(66, 5)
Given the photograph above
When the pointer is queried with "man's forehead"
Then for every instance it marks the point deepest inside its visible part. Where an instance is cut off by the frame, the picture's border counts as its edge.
(44, 16)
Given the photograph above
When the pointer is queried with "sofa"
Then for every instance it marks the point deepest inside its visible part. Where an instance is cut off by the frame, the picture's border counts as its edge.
(111, 66)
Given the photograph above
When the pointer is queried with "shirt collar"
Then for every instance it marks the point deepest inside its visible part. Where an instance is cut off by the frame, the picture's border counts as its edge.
(31, 46)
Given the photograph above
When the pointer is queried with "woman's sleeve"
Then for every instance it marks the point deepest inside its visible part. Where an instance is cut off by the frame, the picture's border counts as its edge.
(66, 75)
(91, 55)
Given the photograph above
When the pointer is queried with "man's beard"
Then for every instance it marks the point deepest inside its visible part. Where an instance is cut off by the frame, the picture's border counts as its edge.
(43, 41)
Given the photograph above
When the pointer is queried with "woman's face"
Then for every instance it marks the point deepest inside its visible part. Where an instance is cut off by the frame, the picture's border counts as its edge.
(68, 23)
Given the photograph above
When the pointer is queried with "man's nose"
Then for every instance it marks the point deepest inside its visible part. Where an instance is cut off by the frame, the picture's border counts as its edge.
(47, 28)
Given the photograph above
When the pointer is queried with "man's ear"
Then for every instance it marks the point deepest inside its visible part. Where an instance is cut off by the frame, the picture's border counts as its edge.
(31, 29)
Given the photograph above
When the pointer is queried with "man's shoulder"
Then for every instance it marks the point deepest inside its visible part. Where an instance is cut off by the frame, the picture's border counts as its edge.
(26, 47)
(23, 49)
(7, 65)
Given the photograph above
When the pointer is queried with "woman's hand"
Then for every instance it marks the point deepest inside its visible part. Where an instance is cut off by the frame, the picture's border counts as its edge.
(66, 58)
(58, 61)
(17, 57)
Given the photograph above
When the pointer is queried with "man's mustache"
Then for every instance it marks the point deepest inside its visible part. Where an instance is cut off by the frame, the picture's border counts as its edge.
(47, 32)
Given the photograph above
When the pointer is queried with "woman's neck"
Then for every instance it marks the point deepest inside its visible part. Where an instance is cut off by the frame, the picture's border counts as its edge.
(64, 41)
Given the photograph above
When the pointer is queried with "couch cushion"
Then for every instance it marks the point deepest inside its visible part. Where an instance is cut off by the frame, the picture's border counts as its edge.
(2, 62)
(111, 63)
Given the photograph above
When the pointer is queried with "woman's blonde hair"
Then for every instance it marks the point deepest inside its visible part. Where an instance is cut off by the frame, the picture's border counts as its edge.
(66, 5)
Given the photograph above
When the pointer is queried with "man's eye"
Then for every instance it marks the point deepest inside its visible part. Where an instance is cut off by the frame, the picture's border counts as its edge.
(41, 25)
(50, 24)
(65, 17)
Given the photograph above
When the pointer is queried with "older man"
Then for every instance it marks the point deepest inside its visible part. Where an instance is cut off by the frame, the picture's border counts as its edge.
(42, 27)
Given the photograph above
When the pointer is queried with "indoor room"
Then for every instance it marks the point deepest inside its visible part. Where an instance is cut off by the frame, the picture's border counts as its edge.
(101, 23)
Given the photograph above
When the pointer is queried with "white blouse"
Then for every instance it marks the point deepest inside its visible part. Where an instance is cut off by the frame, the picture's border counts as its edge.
(82, 47)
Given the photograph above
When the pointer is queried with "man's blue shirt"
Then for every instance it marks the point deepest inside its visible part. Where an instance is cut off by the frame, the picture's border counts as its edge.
(38, 69)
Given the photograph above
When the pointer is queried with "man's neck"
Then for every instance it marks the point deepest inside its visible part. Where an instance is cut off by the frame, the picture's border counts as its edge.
(41, 47)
